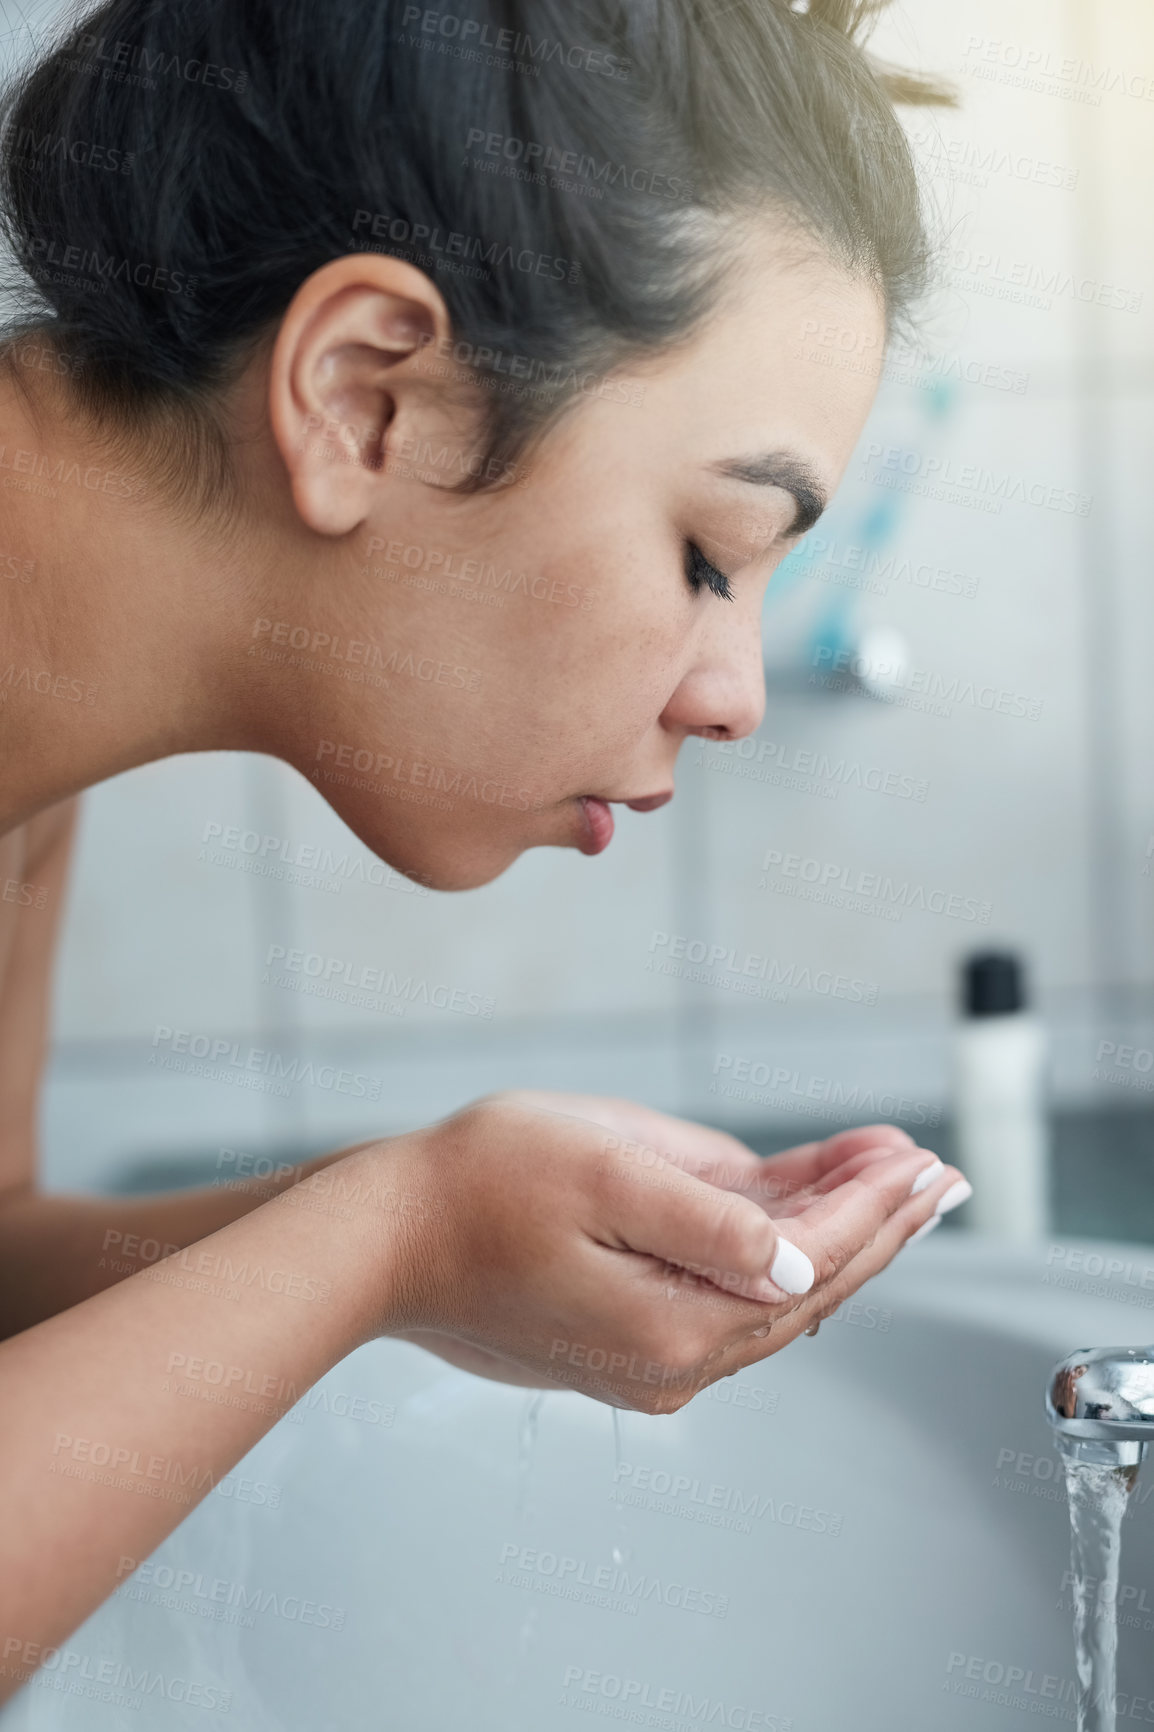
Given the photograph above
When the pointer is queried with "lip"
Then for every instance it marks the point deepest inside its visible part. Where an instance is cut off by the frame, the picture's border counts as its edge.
(599, 824)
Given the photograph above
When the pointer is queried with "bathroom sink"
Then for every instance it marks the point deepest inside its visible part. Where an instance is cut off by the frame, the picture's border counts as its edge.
(866, 1532)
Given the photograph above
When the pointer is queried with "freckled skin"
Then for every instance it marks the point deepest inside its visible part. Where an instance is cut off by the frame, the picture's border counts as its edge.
(524, 707)
(598, 699)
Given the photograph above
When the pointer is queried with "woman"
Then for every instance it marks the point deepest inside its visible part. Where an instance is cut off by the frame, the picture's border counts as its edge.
(316, 287)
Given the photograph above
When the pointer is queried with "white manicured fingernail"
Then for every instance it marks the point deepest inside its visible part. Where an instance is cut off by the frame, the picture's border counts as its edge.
(792, 1270)
(956, 1196)
(926, 1227)
(926, 1177)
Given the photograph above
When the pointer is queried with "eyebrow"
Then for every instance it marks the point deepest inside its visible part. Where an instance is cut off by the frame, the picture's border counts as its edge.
(782, 469)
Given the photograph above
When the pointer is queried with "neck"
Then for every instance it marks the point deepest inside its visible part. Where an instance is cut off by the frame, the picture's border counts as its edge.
(119, 620)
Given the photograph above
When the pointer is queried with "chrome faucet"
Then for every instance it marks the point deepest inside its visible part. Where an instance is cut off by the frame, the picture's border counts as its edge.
(1100, 1402)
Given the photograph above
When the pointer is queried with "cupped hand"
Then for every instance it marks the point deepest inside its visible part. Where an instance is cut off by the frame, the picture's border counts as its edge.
(574, 1241)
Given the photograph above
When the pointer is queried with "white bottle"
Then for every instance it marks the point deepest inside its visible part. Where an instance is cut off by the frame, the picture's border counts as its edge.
(1003, 1144)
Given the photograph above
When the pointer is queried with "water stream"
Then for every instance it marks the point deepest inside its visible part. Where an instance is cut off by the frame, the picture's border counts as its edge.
(527, 1433)
(622, 1543)
(1098, 1498)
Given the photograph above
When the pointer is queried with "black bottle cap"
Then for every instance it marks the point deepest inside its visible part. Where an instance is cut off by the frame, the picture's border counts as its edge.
(992, 984)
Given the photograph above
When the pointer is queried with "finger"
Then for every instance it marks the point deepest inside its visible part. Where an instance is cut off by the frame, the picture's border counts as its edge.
(780, 1328)
(860, 1164)
(717, 1235)
(837, 1223)
(809, 1162)
(770, 1177)
(722, 1159)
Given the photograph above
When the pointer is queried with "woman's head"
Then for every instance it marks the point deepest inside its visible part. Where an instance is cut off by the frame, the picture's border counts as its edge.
(469, 317)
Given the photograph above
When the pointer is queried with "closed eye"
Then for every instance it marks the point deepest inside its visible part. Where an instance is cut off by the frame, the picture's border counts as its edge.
(702, 575)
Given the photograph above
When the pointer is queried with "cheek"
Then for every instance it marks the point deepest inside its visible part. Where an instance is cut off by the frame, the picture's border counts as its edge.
(617, 699)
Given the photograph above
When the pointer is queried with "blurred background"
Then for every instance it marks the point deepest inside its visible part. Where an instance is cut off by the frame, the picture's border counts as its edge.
(956, 748)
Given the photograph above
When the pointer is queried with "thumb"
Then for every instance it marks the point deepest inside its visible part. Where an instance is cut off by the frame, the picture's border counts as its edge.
(721, 1236)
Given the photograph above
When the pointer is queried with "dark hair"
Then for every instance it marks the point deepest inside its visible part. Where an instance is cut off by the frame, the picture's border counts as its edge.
(569, 171)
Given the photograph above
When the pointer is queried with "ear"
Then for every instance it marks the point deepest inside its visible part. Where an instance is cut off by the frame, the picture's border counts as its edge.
(343, 374)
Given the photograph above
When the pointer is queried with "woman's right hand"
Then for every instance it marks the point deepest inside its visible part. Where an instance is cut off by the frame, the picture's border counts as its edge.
(576, 1255)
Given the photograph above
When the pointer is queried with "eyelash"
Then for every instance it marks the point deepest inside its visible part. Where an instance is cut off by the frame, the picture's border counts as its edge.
(700, 573)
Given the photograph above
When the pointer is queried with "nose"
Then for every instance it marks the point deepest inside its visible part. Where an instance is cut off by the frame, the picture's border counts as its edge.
(724, 689)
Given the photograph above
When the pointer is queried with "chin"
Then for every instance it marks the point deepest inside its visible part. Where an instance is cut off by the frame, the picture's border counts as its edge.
(464, 874)
(448, 868)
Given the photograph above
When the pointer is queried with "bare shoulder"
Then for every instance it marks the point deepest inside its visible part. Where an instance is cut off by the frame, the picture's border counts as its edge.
(34, 861)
